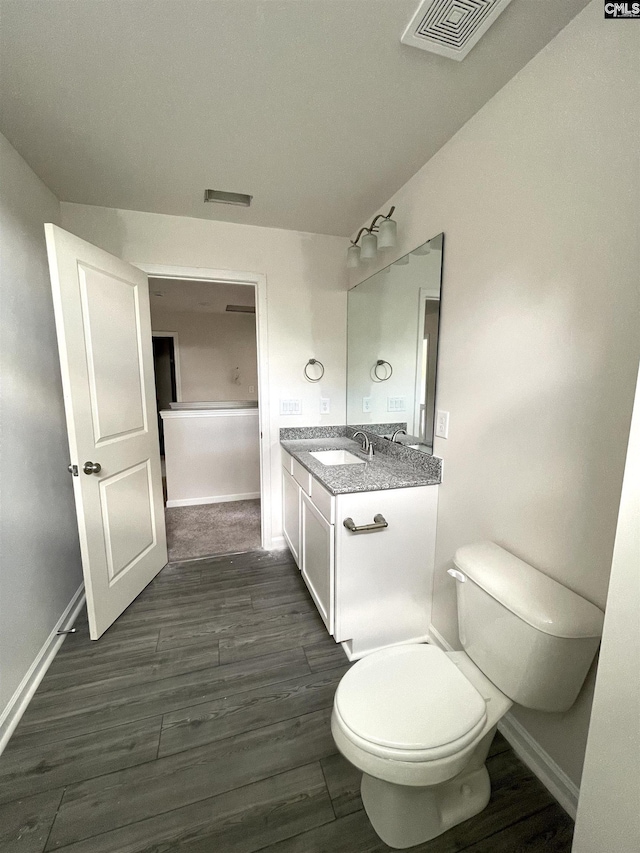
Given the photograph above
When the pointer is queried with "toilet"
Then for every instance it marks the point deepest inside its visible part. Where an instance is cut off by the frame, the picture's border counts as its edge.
(419, 721)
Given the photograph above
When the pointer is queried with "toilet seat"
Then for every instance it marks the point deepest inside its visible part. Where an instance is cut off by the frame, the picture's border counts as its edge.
(409, 703)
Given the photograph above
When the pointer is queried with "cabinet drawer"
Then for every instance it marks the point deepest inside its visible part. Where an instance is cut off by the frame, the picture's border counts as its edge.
(301, 475)
(323, 499)
(287, 461)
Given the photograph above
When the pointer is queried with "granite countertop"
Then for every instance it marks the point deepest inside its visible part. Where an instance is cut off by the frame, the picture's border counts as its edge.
(382, 472)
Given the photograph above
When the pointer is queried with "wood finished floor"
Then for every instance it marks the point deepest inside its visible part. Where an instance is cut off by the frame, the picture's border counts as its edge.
(200, 723)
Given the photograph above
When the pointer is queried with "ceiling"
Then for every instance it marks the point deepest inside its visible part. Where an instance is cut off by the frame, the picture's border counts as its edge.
(314, 107)
(198, 296)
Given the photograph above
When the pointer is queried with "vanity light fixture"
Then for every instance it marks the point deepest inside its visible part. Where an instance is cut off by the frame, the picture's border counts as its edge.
(375, 237)
(369, 247)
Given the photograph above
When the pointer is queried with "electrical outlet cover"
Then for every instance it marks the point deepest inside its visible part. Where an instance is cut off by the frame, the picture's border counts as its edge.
(442, 424)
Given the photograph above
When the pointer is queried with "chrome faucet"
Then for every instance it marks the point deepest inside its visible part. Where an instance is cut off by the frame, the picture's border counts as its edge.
(367, 447)
(398, 432)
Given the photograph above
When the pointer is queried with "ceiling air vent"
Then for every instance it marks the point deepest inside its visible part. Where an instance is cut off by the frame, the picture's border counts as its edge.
(221, 197)
(241, 309)
(451, 27)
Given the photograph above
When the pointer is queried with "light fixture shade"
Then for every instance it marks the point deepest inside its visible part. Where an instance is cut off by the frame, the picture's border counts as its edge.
(387, 234)
(353, 256)
(369, 247)
(403, 261)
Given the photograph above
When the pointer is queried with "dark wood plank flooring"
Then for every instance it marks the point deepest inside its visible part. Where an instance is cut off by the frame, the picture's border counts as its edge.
(201, 722)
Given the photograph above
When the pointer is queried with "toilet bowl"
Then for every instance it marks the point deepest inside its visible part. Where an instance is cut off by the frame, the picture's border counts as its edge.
(418, 722)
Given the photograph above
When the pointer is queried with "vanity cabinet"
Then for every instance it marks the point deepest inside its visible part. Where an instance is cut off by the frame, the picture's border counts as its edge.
(372, 589)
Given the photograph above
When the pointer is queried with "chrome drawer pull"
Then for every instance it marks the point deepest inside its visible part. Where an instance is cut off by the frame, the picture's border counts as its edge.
(379, 524)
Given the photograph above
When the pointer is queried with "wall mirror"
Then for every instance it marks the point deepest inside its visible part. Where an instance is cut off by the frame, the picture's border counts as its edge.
(392, 347)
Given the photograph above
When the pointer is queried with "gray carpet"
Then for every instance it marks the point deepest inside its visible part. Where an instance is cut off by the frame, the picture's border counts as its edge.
(211, 529)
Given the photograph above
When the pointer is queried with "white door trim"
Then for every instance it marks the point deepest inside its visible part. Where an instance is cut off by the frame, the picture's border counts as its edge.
(259, 281)
(176, 358)
(422, 301)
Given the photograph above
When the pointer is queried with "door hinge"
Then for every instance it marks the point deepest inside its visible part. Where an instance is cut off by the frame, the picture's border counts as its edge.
(73, 469)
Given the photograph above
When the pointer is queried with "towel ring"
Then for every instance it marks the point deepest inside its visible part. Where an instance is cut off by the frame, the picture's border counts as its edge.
(389, 370)
(313, 361)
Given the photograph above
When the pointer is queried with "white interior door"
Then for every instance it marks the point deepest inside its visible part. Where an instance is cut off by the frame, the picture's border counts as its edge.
(103, 324)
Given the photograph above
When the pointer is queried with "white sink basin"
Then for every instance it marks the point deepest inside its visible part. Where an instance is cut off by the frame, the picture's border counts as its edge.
(336, 457)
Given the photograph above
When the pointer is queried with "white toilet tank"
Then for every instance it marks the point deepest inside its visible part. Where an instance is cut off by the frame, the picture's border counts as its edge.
(532, 637)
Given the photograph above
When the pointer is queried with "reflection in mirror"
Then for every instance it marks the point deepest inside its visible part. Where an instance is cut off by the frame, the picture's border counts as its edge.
(392, 348)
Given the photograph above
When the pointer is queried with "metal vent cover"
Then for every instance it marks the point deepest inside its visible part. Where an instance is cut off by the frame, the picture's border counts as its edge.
(451, 27)
(241, 309)
(222, 197)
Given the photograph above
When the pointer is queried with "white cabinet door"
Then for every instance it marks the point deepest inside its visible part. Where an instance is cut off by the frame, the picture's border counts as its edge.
(317, 547)
(291, 514)
(384, 577)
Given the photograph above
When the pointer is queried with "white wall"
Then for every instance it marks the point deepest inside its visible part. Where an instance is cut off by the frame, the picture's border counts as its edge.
(212, 456)
(538, 198)
(306, 296)
(609, 813)
(39, 550)
(211, 346)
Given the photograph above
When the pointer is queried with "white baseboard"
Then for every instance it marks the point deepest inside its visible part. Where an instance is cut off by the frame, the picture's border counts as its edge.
(540, 762)
(530, 752)
(278, 543)
(18, 703)
(213, 499)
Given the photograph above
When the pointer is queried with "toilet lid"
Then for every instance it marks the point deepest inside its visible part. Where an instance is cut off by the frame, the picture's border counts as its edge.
(410, 697)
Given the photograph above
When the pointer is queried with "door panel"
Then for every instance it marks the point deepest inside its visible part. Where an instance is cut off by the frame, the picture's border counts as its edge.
(103, 325)
(110, 311)
(127, 511)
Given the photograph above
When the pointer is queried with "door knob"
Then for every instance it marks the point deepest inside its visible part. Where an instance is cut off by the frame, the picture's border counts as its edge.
(92, 467)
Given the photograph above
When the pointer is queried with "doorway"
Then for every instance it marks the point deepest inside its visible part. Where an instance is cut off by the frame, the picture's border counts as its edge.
(164, 368)
(429, 364)
(207, 392)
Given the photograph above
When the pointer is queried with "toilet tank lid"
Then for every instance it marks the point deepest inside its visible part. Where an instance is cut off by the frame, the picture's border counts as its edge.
(531, 595)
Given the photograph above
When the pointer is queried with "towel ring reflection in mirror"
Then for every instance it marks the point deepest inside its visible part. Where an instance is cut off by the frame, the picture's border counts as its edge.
(381, 363)
(313, 362)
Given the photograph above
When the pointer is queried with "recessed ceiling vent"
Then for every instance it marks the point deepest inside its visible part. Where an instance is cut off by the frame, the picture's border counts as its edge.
(451, 27)
(241, 309)
(222, 197)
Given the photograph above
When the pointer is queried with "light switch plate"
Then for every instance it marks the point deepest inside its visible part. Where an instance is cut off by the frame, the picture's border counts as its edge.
(366, 404)
(325, 405)
(442, 424)
(396, 404)
(290, 407)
